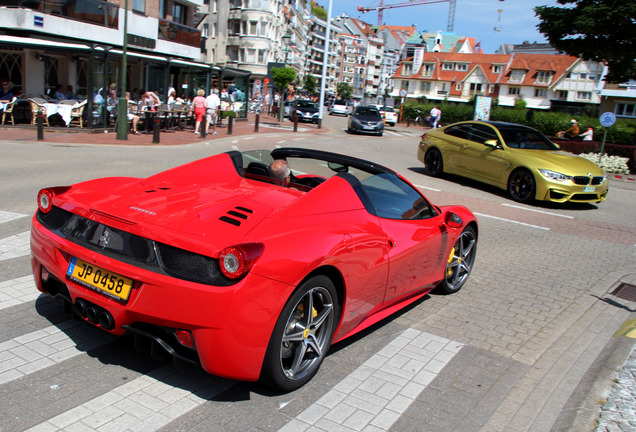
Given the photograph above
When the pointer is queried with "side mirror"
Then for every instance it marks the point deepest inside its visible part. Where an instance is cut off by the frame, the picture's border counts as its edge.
(491, 143)
(453, 221)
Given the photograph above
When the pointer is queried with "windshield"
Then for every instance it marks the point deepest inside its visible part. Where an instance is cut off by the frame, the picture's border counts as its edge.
(305, 104)
(367, 111)
(340, 102)
(525, 138)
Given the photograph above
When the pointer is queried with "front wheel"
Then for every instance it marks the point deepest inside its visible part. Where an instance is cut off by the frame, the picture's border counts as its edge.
(521, 186)
(302, 335)
(460, 262)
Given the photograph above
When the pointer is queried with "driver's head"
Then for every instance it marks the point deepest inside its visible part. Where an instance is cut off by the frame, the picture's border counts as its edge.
(280, 170)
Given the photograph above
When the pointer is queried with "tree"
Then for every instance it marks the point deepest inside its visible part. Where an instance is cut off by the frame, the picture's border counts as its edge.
(598, 30)
(283, 77)
(344, 91)
(310, 84)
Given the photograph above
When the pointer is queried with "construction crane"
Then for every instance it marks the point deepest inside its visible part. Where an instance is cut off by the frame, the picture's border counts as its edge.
(451, 12)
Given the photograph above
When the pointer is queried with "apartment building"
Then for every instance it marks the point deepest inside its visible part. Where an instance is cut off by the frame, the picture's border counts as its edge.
(317, 33)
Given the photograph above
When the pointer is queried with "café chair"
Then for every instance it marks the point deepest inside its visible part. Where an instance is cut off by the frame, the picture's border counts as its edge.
(77, 114)
(8, 110)
(37, 106)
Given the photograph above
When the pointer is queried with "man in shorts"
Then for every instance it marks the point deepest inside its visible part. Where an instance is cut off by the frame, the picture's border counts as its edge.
(213, 102)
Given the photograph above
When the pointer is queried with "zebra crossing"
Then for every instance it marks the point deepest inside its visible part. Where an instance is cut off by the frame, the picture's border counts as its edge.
(162, 397)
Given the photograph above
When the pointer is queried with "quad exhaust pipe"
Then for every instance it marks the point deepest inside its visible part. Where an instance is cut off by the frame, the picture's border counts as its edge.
(94, 314)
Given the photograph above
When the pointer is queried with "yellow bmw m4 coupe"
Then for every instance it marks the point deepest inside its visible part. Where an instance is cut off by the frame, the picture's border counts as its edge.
(515, 158)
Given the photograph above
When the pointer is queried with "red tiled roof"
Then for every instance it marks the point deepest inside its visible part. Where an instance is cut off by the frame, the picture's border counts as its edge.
(534, 63)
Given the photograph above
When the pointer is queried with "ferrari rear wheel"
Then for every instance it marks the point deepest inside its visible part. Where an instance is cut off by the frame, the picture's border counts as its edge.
(302, 336)
(433, 162)
(521, 186)
(460, 262)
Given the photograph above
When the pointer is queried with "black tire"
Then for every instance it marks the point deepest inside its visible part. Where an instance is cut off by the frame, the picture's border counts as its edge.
(380, 134)
(459, 263)
(433, 162)
(301, 341)
(521, 186)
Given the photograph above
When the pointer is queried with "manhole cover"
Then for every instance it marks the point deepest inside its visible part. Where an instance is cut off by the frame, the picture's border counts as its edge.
(625, 291)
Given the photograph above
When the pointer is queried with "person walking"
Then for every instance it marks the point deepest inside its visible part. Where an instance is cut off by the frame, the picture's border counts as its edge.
(198, 108)
(436, 113)
(212, 102)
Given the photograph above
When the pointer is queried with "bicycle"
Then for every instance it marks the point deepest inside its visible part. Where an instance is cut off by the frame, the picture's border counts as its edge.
(419, 119)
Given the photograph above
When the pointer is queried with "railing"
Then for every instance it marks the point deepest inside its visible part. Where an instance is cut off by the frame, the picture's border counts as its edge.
(175, 32)
(97, 12)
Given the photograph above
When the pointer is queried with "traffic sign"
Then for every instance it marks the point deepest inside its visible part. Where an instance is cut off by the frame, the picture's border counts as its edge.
(403, 93)
(608, 119)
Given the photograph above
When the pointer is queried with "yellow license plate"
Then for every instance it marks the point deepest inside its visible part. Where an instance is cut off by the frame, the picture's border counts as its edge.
(100, 279)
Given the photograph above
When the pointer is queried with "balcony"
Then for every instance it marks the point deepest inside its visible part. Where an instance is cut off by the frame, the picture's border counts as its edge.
(97, 12)
(178, 33)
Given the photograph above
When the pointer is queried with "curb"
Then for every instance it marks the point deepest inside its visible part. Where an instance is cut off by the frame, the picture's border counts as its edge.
(622, 177)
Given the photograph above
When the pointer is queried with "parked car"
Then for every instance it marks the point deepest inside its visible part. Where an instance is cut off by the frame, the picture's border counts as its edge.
(389, 115)
(307, 111)
(221, 263)
(366, 119)
(515, 158)
(338, 107)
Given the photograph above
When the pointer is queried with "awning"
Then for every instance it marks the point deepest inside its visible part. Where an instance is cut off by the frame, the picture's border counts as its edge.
(193, 64)
(35, 42)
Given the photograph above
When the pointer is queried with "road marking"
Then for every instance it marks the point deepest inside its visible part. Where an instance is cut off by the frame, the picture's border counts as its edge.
(427, 188)
(51, 345)
(378, 392)
(235, 147)
(6, 216)
(147, 403)
(537, 211)
(248, 138)
(512, 221)
(18, 291)
(15, 246)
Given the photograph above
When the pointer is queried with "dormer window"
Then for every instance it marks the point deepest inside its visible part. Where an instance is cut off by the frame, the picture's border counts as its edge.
(462, 67)
(448, 66)
(407, 69)
(517, 75)
(496, 68)
(544, 77)
(427, 70)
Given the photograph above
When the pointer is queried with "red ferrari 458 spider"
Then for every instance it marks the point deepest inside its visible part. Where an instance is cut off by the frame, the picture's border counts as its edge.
(251, 271)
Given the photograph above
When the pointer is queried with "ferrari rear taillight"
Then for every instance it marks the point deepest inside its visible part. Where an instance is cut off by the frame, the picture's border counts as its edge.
(45, 200)
(423, 135)
(236, 261)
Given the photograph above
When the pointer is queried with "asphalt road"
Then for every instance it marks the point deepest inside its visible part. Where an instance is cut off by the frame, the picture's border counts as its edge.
(527, 345)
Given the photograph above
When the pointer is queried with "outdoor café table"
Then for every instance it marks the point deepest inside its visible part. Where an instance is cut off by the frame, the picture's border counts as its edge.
(64, 110)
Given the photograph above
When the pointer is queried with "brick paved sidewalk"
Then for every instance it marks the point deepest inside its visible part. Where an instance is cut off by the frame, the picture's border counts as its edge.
(267, 124)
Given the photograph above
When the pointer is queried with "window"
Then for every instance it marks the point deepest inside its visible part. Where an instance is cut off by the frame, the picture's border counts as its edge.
(448, 66)
(407, 69)
(497, 68)
(261, 56)
(234, 28)
(253, 27)
(625, 109)
(139, 5)
(475, 87)
(263, 28)
(562, 95)
(425, 87)
(179, 13)
(459, 131)
(251, 56)
(205, 30)
(391, 198)
(544, 77)
(517, 75)
(514, 90)
(232, 54)
(427, 70)
(461, 67)
(458, 86)
(540, 93)
(583, 76)
(584, 95)
(481, 133)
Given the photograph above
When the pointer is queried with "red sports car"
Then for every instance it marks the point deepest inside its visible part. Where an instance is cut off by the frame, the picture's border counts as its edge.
(247, 269)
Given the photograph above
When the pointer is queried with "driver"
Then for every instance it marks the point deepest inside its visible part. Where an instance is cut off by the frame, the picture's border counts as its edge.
(280, 170)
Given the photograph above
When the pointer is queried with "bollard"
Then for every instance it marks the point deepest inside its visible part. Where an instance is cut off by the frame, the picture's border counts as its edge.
(40, 124)
(408, 122)
(295, 119)
(202, 131)
(319, 123)
(256, 120)
(155, 130)
(230, 122)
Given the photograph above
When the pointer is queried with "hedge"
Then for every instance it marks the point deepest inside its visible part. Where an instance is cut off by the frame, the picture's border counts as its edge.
(547, 122)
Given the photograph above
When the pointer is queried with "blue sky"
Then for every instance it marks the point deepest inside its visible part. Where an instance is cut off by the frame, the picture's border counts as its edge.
(473, 18)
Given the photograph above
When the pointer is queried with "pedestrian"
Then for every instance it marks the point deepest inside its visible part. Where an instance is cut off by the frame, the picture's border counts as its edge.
(212, 102)
(588, 135)
(198, 108)
(436, 113)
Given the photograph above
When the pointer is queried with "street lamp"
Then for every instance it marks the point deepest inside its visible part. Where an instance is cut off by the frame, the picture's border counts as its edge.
(286, 39)
(122, 112)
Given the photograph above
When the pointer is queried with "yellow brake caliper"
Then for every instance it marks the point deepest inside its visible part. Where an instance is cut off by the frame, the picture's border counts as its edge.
(449, 270)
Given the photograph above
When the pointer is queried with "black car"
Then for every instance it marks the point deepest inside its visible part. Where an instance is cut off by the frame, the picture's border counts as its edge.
(366, 119)
(306, 111)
